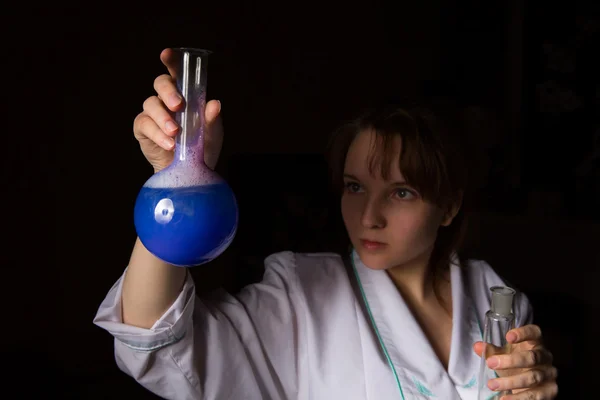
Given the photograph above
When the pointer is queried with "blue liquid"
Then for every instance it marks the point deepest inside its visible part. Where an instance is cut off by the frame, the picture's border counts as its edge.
(186, 226)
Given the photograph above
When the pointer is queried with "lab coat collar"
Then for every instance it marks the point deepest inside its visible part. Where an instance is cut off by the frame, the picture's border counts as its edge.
(421, 373)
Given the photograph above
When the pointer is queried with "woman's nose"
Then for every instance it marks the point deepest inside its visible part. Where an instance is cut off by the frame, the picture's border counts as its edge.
(372, 216)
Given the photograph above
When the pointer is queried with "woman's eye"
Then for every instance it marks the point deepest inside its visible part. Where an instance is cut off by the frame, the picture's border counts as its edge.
(405, 194)
(352, 187)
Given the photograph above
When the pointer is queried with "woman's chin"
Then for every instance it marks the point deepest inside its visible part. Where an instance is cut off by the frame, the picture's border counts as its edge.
(376, 261)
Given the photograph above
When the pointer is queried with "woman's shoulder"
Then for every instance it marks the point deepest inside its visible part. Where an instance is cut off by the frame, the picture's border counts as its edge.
(306, 269)
(290, 259)
(481, 276)
(481, 273)
(478, 269)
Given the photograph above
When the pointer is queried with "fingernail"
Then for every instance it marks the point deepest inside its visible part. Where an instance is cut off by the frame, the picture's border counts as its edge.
(493, 362)
(511, 337)
(493, 385)
(174, 100)
(168, 143)
(171, 126)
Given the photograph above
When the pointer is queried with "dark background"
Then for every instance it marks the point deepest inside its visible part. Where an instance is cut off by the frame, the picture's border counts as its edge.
(287, 74)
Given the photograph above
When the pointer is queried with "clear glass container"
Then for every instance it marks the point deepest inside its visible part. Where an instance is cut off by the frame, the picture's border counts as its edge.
(498, 321)
(186, 214)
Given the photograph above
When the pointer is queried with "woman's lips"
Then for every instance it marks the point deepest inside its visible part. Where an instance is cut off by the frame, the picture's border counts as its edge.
(372, 245)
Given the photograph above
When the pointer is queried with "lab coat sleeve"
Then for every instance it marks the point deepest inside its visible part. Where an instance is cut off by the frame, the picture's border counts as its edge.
(218, 346)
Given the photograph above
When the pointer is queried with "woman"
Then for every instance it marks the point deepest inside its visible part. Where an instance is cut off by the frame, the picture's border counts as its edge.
(399, 317)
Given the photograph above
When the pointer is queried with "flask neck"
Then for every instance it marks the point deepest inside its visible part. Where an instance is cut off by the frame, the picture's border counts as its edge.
(491, 315)
(191, 73)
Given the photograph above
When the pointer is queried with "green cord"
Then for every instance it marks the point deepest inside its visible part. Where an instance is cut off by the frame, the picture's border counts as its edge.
(387, 356)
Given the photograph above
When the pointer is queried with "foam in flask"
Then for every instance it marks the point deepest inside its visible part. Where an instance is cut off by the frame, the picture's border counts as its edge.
(186, 214)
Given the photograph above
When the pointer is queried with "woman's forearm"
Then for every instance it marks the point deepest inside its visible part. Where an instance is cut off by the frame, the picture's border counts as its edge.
(150, 287)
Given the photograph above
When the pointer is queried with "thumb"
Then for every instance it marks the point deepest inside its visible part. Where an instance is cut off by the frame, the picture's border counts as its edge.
(212, 111)
(214, 136)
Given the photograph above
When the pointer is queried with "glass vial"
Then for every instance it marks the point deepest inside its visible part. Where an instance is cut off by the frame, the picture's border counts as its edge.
(498, 321)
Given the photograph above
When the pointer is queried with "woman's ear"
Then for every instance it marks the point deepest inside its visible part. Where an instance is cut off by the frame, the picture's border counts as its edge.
(451, 214)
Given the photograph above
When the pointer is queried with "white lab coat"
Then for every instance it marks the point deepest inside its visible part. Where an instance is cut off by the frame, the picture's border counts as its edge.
(304, 332)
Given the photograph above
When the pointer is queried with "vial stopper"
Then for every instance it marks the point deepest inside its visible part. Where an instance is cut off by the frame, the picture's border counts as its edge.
(502, 299)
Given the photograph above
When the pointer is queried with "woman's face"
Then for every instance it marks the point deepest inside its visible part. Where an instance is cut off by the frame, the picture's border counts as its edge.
(388, 222)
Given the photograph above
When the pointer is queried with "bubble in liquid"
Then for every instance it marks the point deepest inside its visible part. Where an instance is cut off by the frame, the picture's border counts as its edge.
(183, 173)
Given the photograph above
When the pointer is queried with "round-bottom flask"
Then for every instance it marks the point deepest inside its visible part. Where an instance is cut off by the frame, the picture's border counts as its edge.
(186, 214)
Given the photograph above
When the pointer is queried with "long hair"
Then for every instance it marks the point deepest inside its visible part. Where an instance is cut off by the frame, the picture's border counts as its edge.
(434, 159)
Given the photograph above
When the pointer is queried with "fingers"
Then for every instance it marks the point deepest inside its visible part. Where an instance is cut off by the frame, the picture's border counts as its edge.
(157, 123)
(155, 109)
(213, 141)
(170, 60)
(545, 391)
(166, 89)
(490, 349)
(528, 379)
(144, 128)
(478, 348)
(521, 359)
(524, 333)
(213, 110)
